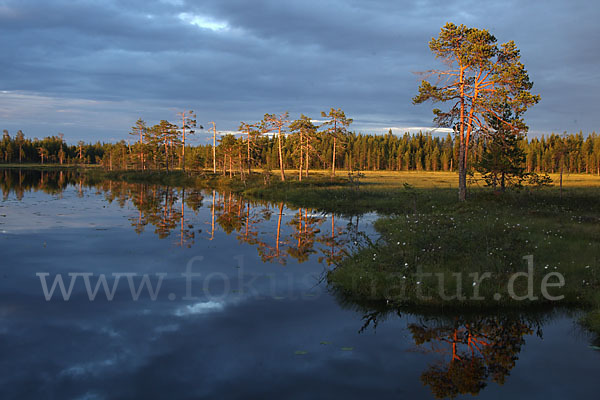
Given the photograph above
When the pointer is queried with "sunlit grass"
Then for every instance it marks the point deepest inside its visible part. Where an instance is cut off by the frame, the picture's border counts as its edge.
(429, 179)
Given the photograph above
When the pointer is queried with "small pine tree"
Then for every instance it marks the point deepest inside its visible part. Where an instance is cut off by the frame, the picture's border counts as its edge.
(502, 163)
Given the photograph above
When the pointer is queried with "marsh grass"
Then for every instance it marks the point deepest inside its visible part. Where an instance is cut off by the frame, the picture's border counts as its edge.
(489, 233)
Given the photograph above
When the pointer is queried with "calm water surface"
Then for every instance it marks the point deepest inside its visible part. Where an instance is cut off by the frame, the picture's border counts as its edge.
(238, 308)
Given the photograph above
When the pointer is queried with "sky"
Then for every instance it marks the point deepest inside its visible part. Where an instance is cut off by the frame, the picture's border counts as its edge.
(89, 69)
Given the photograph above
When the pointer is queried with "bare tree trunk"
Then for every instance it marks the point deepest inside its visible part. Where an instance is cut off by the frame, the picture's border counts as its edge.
(300, 169)
(334, 146)
(214, 147)
(248, 155)
(280, 155)
(333, 161)
(142, 150)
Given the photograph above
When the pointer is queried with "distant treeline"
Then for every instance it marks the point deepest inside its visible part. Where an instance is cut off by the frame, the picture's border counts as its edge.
(416, 152)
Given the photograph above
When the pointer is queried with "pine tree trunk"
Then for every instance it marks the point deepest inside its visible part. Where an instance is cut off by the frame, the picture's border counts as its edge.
(167, 156)
(214, 148)
(142, 150)
(300, 169)
(307, 156)
(333, 161)
(183, 148)
(462, 168)
(240, 162)
(280, 156)
(248, 157)
(462, 174)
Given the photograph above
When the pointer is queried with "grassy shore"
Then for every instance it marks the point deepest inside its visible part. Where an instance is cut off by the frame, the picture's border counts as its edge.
(417, 256)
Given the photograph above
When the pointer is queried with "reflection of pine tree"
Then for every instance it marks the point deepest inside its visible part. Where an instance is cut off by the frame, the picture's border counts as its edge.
(168, 210)
(186, 233)
(249, 234)
(230, 219)
(334, 244)
(271, 253)
(193, 199)
(305, 230)
(478, 348)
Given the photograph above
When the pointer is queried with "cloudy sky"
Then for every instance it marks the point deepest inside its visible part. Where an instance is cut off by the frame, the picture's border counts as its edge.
(90, 68)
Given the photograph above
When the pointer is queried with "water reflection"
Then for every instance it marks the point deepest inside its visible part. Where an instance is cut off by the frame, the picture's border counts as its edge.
(466, 351)
(173, 213)
(19, 182)
(472, 351)
(417, 353)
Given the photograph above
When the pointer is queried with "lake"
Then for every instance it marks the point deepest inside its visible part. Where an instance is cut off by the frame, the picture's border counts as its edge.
(113, 290)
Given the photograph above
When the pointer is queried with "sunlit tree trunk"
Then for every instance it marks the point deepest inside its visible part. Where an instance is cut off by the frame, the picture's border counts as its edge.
(240, 163)
(248, 155)
(462, 170)
(334, 148)
(167, 155)
(280, 154)
(300, 166)
(182, 163)
(142, 149)
(214, 147)
(307, 155)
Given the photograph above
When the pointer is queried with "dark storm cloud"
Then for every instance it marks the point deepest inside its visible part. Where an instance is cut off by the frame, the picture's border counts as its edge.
(235, 60)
